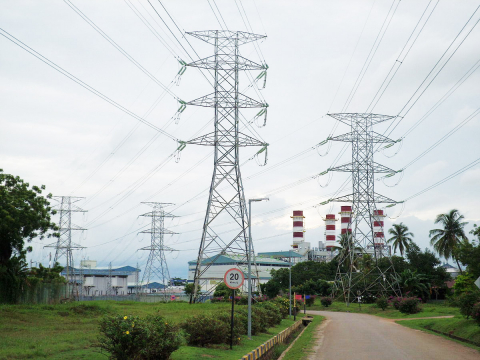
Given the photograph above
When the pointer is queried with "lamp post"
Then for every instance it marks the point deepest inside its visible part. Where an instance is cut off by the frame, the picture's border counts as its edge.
(249, 284)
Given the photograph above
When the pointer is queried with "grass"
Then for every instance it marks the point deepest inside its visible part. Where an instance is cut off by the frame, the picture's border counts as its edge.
(245, 346)
(69, 331)
(304, 344)
(428, 310)
(466, 329)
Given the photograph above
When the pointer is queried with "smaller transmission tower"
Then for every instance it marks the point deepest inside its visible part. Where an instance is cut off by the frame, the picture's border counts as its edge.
(363, 238)
(156, 267)
(64, 245)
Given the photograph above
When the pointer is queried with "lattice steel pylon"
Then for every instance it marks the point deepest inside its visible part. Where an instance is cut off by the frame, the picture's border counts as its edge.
(364, 235)
(64, 245)
(156, 267)
(226, 199)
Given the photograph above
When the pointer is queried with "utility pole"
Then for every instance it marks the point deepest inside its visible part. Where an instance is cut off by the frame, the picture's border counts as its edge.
(156, 266)
(364, 235)
(226, 200)
(64, 245)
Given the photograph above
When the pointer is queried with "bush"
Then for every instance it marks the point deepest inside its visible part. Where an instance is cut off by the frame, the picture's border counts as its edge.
(273, 314)
(196, 328)
(466, 303)
(283, 305)
(310, 300)
(368, 299)
(130, 337)
(396, 302)
(260, 316)
(240, 324)
(326, 301)
(409, 306)
(476, 313)
(382, 302)
(243, 316)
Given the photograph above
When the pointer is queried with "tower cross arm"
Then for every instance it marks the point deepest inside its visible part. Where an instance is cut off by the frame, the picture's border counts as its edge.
(225, 99)
(209, 140)
(226, 63)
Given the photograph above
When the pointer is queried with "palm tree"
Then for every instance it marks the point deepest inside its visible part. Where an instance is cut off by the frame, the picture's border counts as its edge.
(445, 240)
(400, 237)
(411, 281)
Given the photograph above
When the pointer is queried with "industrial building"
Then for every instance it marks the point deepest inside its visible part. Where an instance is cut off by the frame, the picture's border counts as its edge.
(221, 263)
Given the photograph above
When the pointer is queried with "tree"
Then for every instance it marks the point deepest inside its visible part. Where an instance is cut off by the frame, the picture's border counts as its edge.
(468, 253)
(414, 283)
(345, 252)
(222, 290)
(401, 238)
(24, 215)
(427, 263)
(189, 289)
(445, 240)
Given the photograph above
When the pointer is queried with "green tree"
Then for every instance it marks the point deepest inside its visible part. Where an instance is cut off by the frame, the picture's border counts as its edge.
(189, 289)
(414, 283)
(24, 215)
(222, 290)
(401, 238)
(347, 251)
(427, 263)
(445, 240)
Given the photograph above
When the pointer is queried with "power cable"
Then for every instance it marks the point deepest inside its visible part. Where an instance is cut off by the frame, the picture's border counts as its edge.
(62, 71)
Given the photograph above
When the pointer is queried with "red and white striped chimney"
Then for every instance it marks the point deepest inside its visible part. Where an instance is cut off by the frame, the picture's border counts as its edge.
(378, 235)
(298, 227)
(346, 219)
(330, 231)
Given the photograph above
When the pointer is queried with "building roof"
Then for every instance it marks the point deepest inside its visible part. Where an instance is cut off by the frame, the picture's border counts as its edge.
(235, 259)
(120, 271)
(280, 254)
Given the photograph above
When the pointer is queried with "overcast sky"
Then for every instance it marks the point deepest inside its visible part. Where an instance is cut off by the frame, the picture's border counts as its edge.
(323, 56)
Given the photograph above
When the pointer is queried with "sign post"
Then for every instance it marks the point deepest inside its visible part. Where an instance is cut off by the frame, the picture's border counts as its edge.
(234, 279)
(477, 282)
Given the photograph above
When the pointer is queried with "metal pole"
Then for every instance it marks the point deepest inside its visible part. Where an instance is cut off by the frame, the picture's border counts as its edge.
(231, 325)
(249, 269)
(290, 287)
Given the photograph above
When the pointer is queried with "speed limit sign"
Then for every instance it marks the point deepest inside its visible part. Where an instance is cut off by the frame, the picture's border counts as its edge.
(234, 278)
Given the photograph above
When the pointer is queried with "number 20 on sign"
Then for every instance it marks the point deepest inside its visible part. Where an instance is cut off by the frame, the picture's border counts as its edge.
(234, 278)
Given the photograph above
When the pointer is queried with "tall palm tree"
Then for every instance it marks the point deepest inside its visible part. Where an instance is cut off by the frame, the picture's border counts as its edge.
(401, 238)
(347, 250)
(445, 240)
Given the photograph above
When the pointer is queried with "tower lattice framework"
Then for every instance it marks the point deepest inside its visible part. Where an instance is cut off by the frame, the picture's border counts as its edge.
(156, 267)
(226, 200)
(364, 234)
(64, 245)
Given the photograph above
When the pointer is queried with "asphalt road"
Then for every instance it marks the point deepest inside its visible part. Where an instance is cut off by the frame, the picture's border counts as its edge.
(361, 336)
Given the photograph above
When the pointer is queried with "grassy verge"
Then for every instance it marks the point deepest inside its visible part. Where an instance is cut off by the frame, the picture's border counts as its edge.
(303, 346)
(428, 310)
(466, 329)
(69, 331)
(245, 346)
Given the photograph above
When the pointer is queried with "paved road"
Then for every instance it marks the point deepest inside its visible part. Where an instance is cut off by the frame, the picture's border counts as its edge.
(361, 336)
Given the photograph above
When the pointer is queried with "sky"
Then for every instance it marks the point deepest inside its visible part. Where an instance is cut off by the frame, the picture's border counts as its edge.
(416, 60)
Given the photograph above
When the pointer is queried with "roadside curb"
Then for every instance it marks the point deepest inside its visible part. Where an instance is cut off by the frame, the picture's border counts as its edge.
(277, 339)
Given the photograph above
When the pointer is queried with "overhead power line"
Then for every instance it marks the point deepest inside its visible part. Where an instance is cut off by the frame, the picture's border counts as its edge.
(67, 74)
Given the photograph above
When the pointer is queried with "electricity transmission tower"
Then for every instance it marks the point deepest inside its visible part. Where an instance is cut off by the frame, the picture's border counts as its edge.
(226, 200)
(156, 267)
(64, 245)
(364, 235)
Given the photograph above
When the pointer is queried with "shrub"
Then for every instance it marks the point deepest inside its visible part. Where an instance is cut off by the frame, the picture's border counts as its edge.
(409, 306)
(310, 300)
(368, 299)
(396, 302)
(476, 313)
(259, 315)
(466, 303)
(240, 324)
(243, 316)
(130, 337)
(196, 328)
(382, 302)
(273, 314)
(326, 301)
(283, 305)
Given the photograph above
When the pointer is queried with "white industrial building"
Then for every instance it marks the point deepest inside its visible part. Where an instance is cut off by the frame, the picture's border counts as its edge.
(221, 263)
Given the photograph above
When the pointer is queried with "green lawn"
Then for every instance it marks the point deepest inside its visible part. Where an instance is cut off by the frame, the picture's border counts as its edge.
(303, 346)
(428, 310)
(466, 329)
(69, 331)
